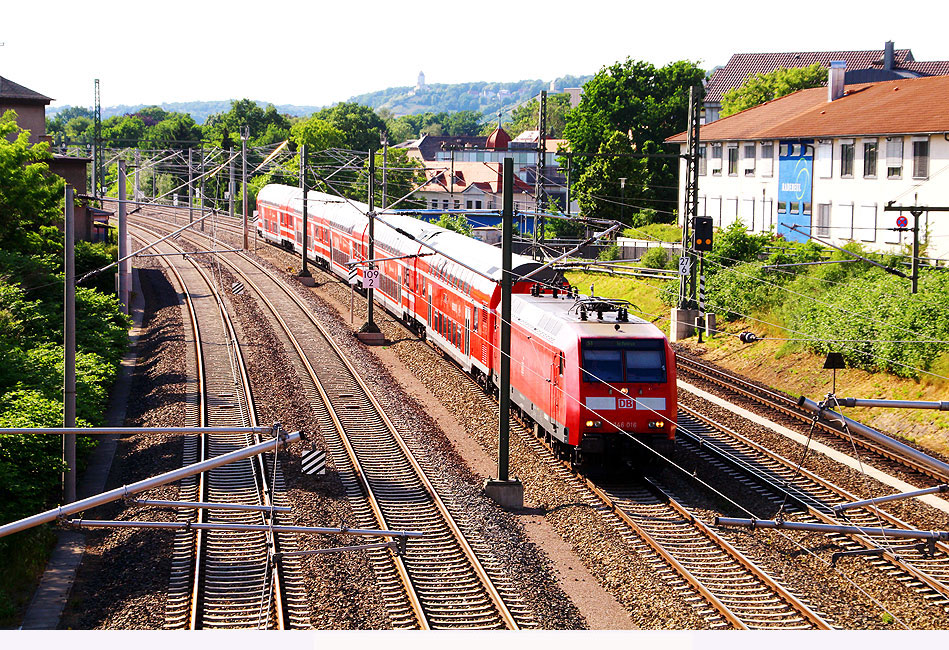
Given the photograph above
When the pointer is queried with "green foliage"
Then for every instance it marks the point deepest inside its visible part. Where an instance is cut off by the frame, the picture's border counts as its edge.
(735, 245)
(765, 87)
(645, 105)
(524, 117)
(30, 197)
(598, 187)
(486, 98)
(457, 222)
(877, 306)
(655, 258)
(667, 232)
(609, 253)
(359, 124)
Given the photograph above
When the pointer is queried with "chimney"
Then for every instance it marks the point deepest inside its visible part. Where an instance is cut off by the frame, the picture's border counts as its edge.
(835, 80)
(888, 55)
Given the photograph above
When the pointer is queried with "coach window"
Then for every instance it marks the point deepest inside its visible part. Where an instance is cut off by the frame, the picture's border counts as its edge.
(560, 364)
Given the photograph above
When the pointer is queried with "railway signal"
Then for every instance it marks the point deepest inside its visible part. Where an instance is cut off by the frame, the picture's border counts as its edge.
(702, 228)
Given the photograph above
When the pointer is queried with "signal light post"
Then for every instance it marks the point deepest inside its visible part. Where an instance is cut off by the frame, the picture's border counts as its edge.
(508, 492)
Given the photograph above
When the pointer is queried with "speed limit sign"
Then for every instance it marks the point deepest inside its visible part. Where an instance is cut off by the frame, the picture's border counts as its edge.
(370, 279)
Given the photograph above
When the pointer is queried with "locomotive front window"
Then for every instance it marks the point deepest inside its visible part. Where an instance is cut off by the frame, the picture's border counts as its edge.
(624, 360)
(603, 365)
(645, 366)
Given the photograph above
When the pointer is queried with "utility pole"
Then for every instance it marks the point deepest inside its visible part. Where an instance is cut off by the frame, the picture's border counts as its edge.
(98, 173)
(230, 177)
(201, 185)
(385, 182)
(305, 276)
(540, 170)
(370, 332)
(137, 190)
(917, 211)
(508, 493)
(683, 316)
(69, 349)
(190, 189)
(245, 134)
(123, 240)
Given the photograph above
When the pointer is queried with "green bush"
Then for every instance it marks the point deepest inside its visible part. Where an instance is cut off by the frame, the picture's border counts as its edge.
(655, 258)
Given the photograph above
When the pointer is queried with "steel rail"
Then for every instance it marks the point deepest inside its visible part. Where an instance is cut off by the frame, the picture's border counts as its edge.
(825, 512)
(262, 488)
(486, 581)
(789, 407)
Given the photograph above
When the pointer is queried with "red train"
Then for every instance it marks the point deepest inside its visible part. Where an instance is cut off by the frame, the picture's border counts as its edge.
(583, 369)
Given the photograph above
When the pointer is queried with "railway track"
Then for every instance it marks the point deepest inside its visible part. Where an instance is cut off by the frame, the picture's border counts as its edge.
(441, 580)
(728, 589)
(801, 495)
(831, 433)
(223, 579)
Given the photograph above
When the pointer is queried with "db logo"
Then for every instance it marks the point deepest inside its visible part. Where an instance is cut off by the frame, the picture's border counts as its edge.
(625, 403)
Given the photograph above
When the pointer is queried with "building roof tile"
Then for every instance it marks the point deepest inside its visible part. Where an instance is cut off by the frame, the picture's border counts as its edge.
(900, 107)
(742, 66)
(10, 90)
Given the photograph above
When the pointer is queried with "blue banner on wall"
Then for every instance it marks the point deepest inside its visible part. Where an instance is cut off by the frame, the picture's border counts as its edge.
(795, 171)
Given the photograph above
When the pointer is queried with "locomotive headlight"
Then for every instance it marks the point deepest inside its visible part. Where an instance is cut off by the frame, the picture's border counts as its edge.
(624, 391)
(656, 424)
(594, 424)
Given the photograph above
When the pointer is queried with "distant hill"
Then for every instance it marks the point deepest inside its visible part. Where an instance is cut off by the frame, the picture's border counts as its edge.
(199, 111)
(483, 96)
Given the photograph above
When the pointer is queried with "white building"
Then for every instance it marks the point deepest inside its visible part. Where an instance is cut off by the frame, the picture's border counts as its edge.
(829, 160)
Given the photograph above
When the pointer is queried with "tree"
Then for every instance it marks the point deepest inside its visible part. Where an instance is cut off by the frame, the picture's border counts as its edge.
(648, 105)
(524, 117)
(764, 87)
(30, 196)
(359, 124)
(598, 188)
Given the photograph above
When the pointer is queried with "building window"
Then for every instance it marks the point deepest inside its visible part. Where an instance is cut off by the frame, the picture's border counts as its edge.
(444, 204)
(921, 159)
(865, 223)
(434, 204)
(823, 220)
(716, 159)
(703, 160)
(825, 159)
(749, 156)
(457, 203)
(846, 160)
(733, 161)
(767, 158)
(894, 157)
(467, 205)
(870, 159)
(782, 207)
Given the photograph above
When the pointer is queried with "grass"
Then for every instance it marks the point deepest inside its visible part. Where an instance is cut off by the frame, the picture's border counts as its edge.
(644, 294)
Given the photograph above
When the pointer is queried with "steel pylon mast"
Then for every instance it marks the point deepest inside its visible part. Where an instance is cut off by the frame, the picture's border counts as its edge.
(98, 182)
(691, 202)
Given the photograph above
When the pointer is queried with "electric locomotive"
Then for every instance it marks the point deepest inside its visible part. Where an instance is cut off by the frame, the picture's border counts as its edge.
(585, 372)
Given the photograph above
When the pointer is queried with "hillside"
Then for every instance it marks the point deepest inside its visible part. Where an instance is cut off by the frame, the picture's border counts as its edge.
(199, 111)
(484, 96)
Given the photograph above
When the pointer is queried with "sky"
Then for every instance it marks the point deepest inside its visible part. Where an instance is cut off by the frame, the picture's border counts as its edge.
(319, 53)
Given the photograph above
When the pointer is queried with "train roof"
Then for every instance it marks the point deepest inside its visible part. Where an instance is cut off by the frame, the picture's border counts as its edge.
(350, 216)
(553, 318)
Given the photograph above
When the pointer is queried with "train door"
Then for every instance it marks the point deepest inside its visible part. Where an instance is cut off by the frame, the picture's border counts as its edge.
(429, 305)
(556, 384)
(467, 348)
